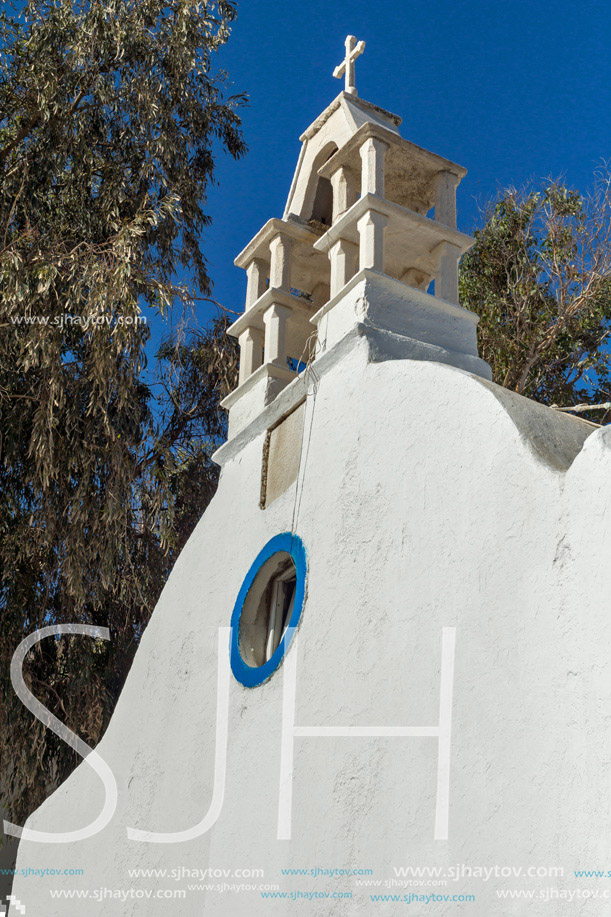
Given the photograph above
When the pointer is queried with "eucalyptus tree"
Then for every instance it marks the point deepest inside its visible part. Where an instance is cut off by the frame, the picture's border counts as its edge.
(111, 115)
(539, 276)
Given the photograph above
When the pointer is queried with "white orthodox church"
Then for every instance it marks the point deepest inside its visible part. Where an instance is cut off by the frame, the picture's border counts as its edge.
(386, 643)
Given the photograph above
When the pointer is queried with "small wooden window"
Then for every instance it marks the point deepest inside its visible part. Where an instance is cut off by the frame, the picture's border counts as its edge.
(281, 608)
(267, 609)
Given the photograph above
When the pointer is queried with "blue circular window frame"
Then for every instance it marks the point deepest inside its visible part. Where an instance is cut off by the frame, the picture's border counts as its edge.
(252, 676)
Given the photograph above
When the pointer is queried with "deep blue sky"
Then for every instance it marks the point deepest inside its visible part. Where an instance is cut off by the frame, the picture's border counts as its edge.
(512, 90)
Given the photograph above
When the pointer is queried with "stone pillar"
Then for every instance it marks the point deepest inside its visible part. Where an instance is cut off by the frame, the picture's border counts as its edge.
(445, 198)
(415, 277)
(344, 184)
(251, 352)
(371, 240)
(280, 268)
(275, 319)
(372, 173)
(344, 257)
(256, 272)
(446, 277)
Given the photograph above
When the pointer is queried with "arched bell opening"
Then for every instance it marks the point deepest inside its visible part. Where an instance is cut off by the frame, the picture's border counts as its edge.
(319, 198)
(322, 211)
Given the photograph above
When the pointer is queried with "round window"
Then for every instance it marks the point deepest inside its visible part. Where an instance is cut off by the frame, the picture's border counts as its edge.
(268, 609)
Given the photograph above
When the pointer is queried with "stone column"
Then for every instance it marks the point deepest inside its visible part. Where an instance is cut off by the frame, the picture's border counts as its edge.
(280, 268)
(445, 198)
(251, 352)
(256, 273)
(275, 319)
(344, 184)
(371, 240)
(344, 257)
(446, 277)
(372, 173)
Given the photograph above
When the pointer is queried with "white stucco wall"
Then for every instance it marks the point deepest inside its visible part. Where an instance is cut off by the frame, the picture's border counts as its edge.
(423, 507)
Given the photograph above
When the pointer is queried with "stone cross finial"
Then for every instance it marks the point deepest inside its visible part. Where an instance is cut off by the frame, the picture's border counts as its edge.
(353, 50)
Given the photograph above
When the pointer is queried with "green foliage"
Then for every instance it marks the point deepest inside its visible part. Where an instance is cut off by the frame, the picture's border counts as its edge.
(195, 374)
(539, 277)
(110, 115)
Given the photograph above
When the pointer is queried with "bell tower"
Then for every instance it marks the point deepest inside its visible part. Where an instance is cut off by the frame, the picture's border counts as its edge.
(367, 247)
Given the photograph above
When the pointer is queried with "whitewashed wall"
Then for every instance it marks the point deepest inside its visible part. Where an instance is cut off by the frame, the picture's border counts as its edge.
(424, 505)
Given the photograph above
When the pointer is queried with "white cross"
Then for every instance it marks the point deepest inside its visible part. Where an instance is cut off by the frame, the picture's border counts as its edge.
(353, 50)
